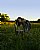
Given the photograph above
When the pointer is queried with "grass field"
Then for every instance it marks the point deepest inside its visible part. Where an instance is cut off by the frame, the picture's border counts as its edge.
(10, 41)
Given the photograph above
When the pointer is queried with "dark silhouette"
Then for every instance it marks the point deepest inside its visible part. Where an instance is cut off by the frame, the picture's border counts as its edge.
(39, 20)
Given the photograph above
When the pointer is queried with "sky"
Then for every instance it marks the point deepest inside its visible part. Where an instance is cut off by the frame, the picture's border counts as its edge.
(28, 9)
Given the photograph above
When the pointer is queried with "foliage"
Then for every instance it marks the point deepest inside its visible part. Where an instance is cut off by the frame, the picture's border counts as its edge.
(4, 17)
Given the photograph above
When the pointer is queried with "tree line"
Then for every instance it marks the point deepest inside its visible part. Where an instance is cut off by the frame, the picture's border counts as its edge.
(38, 21)
(5, 17)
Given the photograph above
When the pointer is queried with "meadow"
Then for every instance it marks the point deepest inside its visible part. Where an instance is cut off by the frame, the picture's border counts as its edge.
(10, 41)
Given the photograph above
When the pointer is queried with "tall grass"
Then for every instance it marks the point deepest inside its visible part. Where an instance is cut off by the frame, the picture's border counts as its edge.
(10, 41)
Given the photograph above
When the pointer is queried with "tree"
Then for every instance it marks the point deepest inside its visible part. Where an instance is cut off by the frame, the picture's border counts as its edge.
(0, 16)
(38, 20)
(4, 17)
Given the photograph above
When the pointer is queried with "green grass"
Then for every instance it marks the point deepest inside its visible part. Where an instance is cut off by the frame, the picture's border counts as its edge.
(10, 41)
